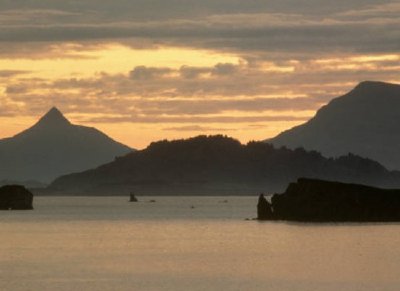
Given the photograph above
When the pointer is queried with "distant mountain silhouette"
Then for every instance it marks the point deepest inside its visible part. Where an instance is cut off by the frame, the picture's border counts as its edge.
(54, 147)
(30, 184)
(218, 165)
(365, 121)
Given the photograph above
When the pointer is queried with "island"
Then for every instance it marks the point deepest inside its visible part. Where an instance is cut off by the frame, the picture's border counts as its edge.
(312, 200)
(15, 197)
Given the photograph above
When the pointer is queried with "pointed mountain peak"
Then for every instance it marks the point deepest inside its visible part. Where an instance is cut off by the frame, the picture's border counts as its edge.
(53, 117)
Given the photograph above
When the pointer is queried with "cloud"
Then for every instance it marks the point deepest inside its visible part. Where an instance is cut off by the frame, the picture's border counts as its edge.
(161, 9)
(146, 73)
(310, 27)
(33, 16)
(157, 94)
(210, 106)
(188, 72)
(293, 58)
(383, 11)
(224, 69)
(195, 119)
(316, 36)
(17, 89)
(197, 128)
(12, 73)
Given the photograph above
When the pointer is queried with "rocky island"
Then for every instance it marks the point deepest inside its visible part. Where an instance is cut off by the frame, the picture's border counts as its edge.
(15, 197)
(312, 200)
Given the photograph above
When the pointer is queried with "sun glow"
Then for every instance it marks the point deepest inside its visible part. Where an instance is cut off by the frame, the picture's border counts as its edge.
(112, 59)
(182, 92)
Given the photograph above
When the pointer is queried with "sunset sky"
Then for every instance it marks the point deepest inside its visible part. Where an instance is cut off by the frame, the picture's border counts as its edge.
(143, 70)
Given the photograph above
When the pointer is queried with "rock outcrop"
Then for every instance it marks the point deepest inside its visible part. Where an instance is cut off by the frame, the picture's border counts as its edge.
(311, 200)
(15, 197)
(132, 198)
(264, 208)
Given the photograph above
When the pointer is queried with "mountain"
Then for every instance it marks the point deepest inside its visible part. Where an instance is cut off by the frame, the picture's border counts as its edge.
(365, 121)
(54, 147)
(217, 165)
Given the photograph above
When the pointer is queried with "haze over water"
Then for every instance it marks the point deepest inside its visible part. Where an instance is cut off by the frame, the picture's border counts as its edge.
(107, 243)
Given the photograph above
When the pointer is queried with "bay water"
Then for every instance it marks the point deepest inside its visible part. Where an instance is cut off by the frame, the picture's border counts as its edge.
(187, 243)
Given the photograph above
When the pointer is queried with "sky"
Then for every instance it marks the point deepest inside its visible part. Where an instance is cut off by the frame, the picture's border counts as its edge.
(145, 70)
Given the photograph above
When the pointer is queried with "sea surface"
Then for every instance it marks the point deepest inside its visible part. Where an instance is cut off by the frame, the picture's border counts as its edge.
(187, 243)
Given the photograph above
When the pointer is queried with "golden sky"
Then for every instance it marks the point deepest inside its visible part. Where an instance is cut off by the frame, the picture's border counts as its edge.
(142, 71)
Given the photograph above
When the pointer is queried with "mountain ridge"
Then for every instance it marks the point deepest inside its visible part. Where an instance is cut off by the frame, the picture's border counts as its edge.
(217, 165)
(364, 121)
(54, 146)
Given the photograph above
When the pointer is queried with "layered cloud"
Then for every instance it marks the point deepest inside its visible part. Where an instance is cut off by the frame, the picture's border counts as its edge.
(274, 26)
(192, 66)
(151, 92)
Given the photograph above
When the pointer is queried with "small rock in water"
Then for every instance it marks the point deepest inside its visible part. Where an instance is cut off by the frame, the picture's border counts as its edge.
(133, 198)
(152, 201)
(264, 208)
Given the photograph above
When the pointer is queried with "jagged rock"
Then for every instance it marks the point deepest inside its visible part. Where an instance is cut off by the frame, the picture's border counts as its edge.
(264, 210)
(15, 197)
(324, 201)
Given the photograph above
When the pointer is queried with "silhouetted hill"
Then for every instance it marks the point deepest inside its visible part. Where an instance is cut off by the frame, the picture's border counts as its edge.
(217, 165)
(365, 121)
(54, 147)
(30, 184)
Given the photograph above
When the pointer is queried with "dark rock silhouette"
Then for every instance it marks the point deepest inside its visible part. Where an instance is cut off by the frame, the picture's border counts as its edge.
(365, 121)
(264, 209)
(54, 147)
(132, 198)
(29, 184)
(311, 200)
(15, 197)
(218, 165)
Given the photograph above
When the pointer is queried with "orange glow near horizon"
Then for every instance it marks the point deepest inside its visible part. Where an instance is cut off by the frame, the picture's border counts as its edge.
(139, 136)
(111, 59)
(94, 83)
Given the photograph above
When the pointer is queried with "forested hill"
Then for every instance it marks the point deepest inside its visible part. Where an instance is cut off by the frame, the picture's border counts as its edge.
(218, 165)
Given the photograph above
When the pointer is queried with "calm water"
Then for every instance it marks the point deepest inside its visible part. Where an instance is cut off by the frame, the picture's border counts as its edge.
(110, 244)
